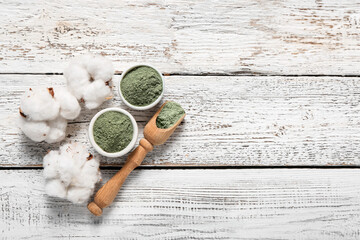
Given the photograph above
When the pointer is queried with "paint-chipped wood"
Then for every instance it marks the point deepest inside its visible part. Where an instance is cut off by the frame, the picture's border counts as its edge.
(233, 121)
(192, 204)
(207, 36)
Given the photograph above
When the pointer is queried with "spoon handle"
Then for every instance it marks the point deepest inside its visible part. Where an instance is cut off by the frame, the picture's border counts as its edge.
(107, 193)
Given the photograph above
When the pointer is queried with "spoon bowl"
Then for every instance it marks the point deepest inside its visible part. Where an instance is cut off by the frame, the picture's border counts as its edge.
(158, 136)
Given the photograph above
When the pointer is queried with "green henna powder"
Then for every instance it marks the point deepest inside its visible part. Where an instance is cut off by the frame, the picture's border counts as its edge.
(113, 131)
(141, 86)
(169, 115)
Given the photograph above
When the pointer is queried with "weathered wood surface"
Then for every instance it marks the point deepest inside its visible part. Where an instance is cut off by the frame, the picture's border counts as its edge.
(193, 204)
(247, 121)
(231, 121)
(228, 37)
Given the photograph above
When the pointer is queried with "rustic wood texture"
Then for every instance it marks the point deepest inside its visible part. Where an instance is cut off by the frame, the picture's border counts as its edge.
(196, 37)
(192, 204)
(231, 121)
(243, 121)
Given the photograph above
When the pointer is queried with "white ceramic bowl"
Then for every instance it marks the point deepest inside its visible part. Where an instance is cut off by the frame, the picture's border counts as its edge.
(125, 150)
(151, 105)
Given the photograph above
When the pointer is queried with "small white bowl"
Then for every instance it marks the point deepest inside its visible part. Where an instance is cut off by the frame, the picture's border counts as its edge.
(125, 150)
(151, 105)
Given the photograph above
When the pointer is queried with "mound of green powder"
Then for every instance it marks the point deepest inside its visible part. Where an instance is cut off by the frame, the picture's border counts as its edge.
(113, 131)
(169, 115)
(141, 86)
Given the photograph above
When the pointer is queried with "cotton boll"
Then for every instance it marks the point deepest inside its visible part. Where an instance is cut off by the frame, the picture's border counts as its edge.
(78, 195)
(100, 68)
(72, 172)
(55, 188)
(57, 130)
(77, 79)
(51, 164)
(84, 75)
(96, 93)
(43, 110)
(38, 104)
(35, 130)
(69, 106)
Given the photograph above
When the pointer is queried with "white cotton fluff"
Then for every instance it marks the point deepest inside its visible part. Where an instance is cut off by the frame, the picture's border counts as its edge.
(71, 173)
(36, 131)
(88, 74)
(77, 78)
(95, 94)
(78, 195)
(50, 164)
(100, 68)
(49, 131)
(38, 104)
(55, 188)
(57, 130)
(69, 106)
(44, 113)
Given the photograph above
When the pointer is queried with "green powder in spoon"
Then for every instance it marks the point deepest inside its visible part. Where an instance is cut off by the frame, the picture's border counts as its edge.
(113, 131)
(141, 86)
(169, 115)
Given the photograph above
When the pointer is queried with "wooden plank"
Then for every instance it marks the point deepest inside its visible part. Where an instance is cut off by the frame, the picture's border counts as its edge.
(227, 37)
(242, 121)
(195, 204)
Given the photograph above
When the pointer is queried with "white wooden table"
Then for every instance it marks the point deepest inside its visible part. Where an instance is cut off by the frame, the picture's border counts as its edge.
(269, 148)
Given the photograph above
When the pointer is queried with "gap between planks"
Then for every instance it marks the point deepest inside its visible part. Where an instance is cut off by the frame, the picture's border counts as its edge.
(189, 167)
(207, 74)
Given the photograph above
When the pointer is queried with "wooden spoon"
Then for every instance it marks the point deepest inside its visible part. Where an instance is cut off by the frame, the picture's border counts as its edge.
(152, 136)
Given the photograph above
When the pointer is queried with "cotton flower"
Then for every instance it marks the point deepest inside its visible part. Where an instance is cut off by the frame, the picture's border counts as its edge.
(71, 173)
(38, 104)
(88, 78)
(44, 113)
